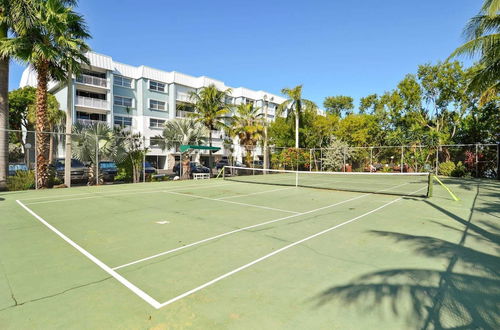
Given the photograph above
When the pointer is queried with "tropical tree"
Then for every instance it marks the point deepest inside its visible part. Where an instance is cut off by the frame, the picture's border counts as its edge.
(482, 35)
(210, 110)
(55, 42)
(95, 142)
(339, 105)
(15, 17)
(22, 115)
(248, 125)
(134, 149)
(295, 107)
(181, 131)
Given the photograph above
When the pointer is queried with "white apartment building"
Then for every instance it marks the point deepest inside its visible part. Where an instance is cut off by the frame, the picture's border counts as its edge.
(143, 99)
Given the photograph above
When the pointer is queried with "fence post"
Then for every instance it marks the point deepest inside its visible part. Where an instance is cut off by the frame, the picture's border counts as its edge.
(498, 161)
(310, 160)
(344, 161)
(437, 159)
(36, 162)
(371, 158)
(477, 162)
(321, 159)
(144, 159)
(96, 160)
(402, 158)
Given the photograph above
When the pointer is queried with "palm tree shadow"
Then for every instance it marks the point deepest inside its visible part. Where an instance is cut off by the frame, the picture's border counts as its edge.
(466, 295)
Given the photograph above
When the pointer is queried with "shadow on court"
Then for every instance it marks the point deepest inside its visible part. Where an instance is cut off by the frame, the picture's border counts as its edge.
(466, 295)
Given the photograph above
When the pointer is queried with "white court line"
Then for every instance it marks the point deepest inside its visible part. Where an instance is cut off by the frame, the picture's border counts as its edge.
(150, 300)
(255, 193)
(236, 231)
(234, 271)
(242, 229)
(231, 202)
(142, 191)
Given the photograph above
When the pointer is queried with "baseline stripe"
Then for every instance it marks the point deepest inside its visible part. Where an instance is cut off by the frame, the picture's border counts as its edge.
(143, 295)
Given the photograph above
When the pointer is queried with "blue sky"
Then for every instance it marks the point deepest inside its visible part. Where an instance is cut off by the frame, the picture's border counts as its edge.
(331, 47)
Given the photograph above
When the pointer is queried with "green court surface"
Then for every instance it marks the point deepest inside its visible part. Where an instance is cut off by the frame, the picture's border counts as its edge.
(219, 254)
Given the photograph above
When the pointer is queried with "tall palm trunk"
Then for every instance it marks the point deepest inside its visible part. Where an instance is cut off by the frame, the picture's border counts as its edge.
(42, 138)
(4, 115)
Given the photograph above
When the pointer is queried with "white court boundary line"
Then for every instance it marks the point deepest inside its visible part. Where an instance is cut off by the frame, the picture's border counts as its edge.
(234, 271)
(230, 202)
(234, 232)
(143, 295)
(256, 193)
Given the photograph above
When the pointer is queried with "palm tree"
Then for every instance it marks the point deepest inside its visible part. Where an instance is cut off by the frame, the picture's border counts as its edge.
(55, 118)
(93, 143)
(248, 126)
(210, 110)
(15, 17)
(181, 131)
(483, 38)
(53, 44)
(295, 107)
(132, 149)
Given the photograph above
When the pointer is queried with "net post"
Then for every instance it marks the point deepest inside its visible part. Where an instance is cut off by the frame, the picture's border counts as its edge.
(430, 181)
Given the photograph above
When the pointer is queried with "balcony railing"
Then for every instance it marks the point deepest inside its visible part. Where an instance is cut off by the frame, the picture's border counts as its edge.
(183, 97)
(91, 102)
(91, 80)
(89, 121)
(182, 113)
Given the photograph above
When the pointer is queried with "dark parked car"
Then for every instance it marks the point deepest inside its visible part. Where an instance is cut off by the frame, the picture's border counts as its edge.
(195, 167)
(148, 168)
(221, 163)
(13, 168)
(108, 170)
(79, 172)
(258, 163)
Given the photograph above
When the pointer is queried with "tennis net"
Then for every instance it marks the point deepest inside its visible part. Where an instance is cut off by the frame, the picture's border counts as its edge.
(402, 184)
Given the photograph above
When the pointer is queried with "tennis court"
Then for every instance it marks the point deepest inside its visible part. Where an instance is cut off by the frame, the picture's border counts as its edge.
(229, 253)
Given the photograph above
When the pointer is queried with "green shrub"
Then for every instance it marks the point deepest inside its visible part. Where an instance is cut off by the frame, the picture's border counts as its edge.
(23, 180)
(386, 169)
(446, 168)
(459, 171)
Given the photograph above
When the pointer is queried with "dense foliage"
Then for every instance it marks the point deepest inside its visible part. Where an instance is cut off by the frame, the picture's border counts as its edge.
(431, 107)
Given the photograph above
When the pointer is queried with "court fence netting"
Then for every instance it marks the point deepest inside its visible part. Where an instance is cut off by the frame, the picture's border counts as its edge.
(102, 155)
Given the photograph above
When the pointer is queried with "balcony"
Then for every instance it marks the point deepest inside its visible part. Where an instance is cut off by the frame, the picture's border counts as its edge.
(90, 102)
(183, 97)
(182, 113)
(91, 80)
(89, 121)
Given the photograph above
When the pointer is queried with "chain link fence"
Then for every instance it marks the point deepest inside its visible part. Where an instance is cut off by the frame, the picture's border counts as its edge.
(101, 156)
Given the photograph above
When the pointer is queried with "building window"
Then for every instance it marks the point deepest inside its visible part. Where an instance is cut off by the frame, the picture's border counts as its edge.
(123, 121)
(122, 81)
(156, 105)
(156, 123)
(229, 100)
(123, 101)
(156, 86)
